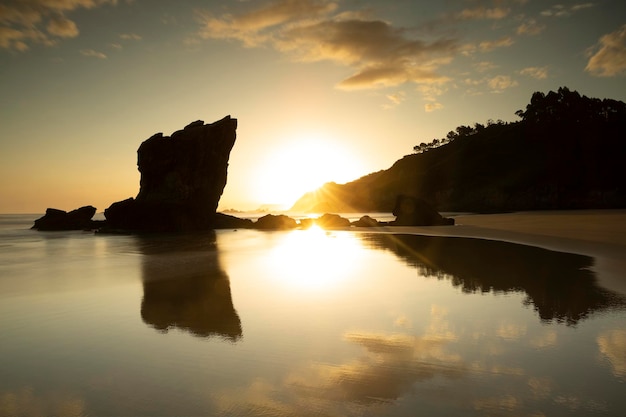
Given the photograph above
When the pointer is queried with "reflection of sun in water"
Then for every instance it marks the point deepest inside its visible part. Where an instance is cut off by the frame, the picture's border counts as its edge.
(314, 258)
(301, 165)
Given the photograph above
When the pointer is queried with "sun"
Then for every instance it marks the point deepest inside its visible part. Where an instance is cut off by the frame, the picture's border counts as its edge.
(303, 164)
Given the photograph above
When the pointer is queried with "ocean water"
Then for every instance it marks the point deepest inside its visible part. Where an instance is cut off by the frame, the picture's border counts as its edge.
(302, 323)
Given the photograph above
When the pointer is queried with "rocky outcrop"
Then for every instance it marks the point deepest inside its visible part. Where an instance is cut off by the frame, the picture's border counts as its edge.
(275, 222)
(413, 211)
(182, 179)
(366, 221)
(79, 219)
(332, 221)
(226, 221)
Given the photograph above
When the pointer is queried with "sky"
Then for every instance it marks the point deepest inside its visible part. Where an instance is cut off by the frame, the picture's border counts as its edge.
(323, 90)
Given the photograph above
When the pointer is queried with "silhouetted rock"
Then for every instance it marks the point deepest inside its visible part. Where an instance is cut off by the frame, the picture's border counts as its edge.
(182, 180)
(79, 219)
(366, 221)
(225, 221)
(332, 221)
(412, 211)
(275, 222)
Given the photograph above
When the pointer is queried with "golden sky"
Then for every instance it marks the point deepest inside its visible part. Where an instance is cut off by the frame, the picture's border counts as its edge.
(323, 90)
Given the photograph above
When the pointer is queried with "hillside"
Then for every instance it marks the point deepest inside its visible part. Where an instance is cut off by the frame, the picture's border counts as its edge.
(567, 152)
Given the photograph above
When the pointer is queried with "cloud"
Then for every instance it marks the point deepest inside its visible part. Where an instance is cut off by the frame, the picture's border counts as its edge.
(488, 46)
(485, 66)
(495, 13)
(530, 27)
(23, 23)
(255, 27)
(62, 27)
(500, 83)
(540, 73)
(394, 99)
(560, 10)
(379, 54)
(92, 53)
(431, 107)
(609, 58)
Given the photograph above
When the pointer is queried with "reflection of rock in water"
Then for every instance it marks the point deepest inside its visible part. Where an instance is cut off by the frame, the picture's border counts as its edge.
(559, 286)
(184, 287)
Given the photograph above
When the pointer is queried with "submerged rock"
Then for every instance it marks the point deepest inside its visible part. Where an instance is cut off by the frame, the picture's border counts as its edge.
(413, 211)
(182, 180)
(79, 219)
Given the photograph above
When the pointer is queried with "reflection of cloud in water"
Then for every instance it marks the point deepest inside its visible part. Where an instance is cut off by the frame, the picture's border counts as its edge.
(511, 331)
(559, 286)
(612, 345)
(388, 369)
(547, 339)
(397, 374)
(25, 402)
(185, 286)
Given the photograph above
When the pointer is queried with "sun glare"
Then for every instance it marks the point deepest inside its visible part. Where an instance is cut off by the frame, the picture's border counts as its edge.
(302, 165)
(314, 259)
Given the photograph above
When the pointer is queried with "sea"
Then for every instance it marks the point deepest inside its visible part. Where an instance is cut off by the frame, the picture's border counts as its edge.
(302, 323)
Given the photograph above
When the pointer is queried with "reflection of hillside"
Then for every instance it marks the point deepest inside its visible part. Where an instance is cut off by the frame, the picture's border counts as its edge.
(184, 286)
(558, 285)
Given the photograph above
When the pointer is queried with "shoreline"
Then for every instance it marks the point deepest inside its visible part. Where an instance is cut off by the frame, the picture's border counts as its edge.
(600, 234)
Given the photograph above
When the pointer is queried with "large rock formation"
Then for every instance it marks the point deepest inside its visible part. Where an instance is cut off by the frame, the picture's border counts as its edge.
(79, 219)
(182, 180)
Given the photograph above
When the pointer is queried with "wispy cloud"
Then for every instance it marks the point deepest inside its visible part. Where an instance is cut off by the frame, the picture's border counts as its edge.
(500, 83)
(431, 107)
(560, 10)
(488, 46)
(530, 27)
(308, 30)
(23, 23)
(62, 27)
(608, 56)
(484, 66)
(495, 13)
(539, 73)
(92, 53)
(395, 99)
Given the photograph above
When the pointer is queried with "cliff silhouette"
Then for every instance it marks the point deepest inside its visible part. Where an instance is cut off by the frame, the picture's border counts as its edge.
(566, 152)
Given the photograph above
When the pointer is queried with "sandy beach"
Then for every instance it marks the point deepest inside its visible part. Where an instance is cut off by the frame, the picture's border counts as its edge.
(600, 234)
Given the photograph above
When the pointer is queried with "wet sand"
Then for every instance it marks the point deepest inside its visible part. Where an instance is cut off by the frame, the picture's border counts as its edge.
(600, 234)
